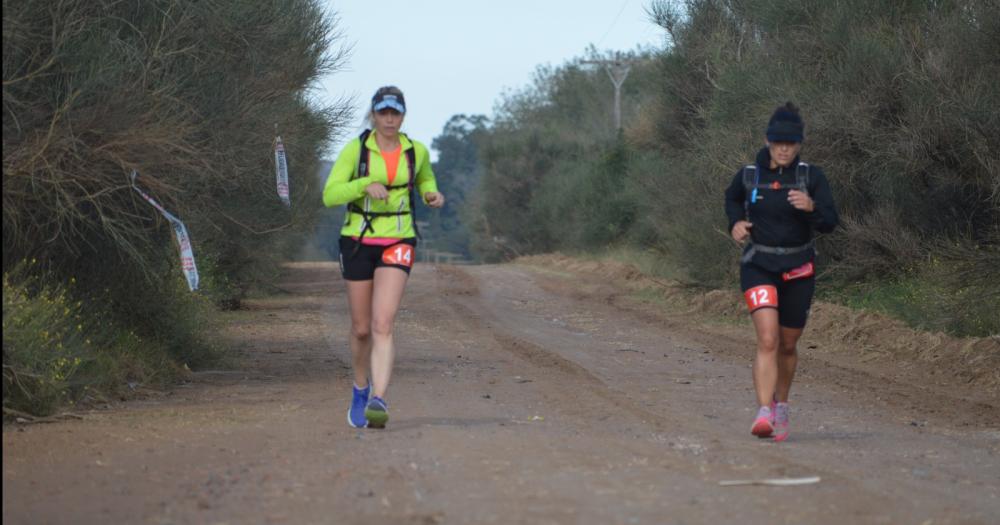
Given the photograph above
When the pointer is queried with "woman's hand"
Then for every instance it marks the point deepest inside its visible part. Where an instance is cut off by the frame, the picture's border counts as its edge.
(434, 199)
(801, 200)
(377, 191)
(741, 230)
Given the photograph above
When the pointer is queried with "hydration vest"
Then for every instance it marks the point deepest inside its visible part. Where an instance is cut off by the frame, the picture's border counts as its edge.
(368, 216)
(751, 185)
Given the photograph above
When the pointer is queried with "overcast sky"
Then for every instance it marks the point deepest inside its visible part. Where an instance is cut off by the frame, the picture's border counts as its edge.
(451, 56)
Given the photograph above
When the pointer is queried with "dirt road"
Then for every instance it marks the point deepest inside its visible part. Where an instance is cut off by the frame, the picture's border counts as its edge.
(522, 394)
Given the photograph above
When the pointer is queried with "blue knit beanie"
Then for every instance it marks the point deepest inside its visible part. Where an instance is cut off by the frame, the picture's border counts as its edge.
(786, 125)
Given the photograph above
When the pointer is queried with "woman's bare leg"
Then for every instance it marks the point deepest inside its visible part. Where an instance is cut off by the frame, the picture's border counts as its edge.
(386, 297)
(359, 296)
(765, 364)
(788, 359)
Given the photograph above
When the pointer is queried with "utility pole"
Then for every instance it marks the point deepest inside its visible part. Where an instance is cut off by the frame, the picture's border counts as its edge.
(617, 71)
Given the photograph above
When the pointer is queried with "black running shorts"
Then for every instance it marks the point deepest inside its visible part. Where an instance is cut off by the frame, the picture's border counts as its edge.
(359, 261)
(790, 292)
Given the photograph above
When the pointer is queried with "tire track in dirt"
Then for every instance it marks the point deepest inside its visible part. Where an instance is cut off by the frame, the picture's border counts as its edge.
(501, 327)
(462, 284)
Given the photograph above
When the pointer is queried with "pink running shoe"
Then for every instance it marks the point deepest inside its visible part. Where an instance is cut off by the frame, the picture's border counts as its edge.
(762, 426)
(781, 421)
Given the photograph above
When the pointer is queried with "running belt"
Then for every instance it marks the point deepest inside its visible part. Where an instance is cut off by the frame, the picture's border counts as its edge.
(774, 250)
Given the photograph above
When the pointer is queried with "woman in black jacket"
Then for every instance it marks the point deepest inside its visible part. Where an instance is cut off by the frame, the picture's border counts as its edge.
(774, 205)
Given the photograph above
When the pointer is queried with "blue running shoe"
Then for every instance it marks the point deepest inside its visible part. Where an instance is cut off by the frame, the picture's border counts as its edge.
(377, 412)
(356, 414)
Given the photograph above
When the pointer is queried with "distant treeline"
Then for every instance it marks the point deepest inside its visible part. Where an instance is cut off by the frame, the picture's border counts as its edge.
(902, 111)
(190, 94)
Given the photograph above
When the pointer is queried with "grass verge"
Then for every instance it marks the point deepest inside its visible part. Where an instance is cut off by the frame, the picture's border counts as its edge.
(60, 350)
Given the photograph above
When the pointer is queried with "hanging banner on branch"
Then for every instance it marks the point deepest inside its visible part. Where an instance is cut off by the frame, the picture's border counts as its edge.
(180, 233)
(281, 170)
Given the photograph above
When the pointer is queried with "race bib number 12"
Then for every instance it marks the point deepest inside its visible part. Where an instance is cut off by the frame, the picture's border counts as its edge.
(761, 296)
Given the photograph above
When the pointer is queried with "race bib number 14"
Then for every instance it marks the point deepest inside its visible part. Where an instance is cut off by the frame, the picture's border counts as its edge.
(398, 254)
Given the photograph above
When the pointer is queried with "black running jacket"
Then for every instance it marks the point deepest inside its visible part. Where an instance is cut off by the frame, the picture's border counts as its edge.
(775, 221)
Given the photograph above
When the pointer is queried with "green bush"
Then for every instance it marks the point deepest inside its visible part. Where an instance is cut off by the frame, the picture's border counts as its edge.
(899, 114)
(59, 351)
(930, 296)
(551, 160)
(901, 111)
(190, 94)
(95, 90)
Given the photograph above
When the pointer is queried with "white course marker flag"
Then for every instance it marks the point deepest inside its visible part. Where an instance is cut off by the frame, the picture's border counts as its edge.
(183, 240)
(281, 171)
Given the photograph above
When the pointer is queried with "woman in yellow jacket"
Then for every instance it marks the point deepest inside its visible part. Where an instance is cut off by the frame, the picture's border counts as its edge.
(376, 175)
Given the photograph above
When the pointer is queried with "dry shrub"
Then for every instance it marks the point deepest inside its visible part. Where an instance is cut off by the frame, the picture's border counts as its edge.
(93, 90)
(902, 114)
(878, 244)
(188, 93)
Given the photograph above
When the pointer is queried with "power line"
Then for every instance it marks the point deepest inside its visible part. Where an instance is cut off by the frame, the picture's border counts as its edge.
(613, 22)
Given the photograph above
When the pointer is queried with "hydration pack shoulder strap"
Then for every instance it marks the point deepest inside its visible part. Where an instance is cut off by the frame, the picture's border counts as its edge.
(364, 156)
(749, 176)
(750, 179)
(411, 163)
(802, 176)
(411, 184)
(364, 159)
